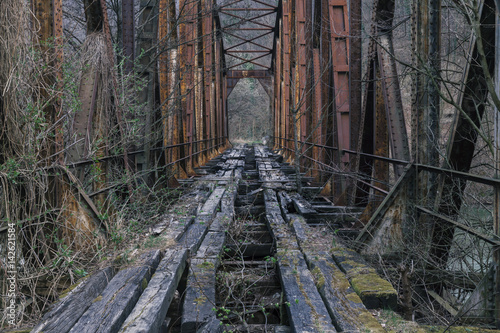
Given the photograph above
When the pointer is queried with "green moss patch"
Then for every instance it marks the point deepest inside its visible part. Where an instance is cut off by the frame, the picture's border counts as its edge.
(374, 291)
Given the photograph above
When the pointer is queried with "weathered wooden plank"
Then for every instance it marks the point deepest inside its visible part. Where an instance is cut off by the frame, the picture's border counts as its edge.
(344, 305)
(177, 229)
(211, 205)
(213, 326)
(196, 232)
(277, 225)
(306, 310)
(68, 311)
(375, 292)
(199, 297)
(111, 308)
(221, 222)
(211, 246)
(227, 203)
(151, 309)
(302, 206)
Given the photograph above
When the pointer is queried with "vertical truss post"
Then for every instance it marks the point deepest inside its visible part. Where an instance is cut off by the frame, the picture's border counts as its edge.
(163, 72)
(302, 98)
(355, 65)
(169, 87)
(225, 128)
(50, 17)
(381, 146)
(425, 105)
(128, 35)
(316, 85)
(383, 109)
(327, 106)
(207, 79)
(187, 17)
(316, 125)
(286, 72)
(217, 88)
(282, 88)
(147, 37)
(339, 34)
(277, 86)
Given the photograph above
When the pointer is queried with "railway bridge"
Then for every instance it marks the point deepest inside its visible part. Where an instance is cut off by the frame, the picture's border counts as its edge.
(384, 146)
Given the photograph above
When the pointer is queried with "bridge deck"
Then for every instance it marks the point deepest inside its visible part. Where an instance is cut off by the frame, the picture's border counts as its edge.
(251, 222)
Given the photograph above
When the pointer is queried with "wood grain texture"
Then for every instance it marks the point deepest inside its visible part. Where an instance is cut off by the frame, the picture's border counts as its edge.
(68, 311)
(151, 309)
(111, 308)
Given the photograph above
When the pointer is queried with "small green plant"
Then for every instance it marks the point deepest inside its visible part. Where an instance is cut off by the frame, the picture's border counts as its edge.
(80, 272)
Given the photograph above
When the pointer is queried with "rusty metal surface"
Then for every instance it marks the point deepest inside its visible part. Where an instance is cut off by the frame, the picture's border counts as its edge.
(240, 74)
(163, 71)
(49, 21)
(286, 69)
(381, 142)
(339, 32)
(355, 59)
(303, 107)
(128, 35)
(393, 103)
(207, 30)
(316, 124)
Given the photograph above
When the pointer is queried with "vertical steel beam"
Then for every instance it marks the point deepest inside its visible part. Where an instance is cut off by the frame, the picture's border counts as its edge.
(147, 38)
(355, 65)
(327, 71)
(50, 17)
(365, 143)
(169, 86)
(163, 72)
(187, 17)
(425, 110)
(218, 89)
(317, 106)
(339, 33)
(301, 61)
(128, 35)
(286, 70)
(381, 142)
(58, 43)
(207, 22)
(390, 84)
(278, 123)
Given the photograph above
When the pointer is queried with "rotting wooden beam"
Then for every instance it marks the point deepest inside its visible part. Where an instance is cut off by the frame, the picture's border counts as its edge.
(68, 311)
(150, 310)
(108, 311)
(342, 302)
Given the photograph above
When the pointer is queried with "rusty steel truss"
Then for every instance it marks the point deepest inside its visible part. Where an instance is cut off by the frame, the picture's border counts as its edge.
(348, 132)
